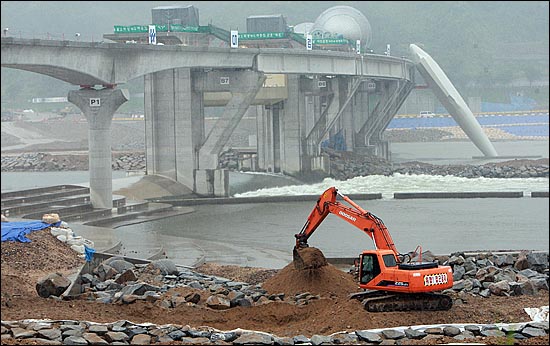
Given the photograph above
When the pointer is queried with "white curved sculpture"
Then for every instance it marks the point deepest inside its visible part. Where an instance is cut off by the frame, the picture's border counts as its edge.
(303, 28)
(451, 99)
(346, 21)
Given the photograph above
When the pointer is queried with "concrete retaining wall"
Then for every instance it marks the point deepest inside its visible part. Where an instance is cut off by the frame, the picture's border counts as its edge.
(304, 198)
(409, 195)
(269, 199)
(45, 190)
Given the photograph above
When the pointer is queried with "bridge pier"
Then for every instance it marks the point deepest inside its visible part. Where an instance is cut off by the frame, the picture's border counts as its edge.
(243, 86)
(347, 124)
(98, 107)
(174, 124)
(382, 103)
(176, 141)
(269, 138)
(294, 160)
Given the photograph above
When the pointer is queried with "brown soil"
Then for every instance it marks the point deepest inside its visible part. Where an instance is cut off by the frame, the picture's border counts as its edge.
(250, 275)
(24, 263)
(318, 277)
(308, 258)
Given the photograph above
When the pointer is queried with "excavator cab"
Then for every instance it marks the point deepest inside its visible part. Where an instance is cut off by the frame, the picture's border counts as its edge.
(368, 267)
(369, 264)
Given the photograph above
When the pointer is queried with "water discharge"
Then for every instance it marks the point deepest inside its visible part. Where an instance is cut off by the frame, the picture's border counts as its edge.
(387, 185)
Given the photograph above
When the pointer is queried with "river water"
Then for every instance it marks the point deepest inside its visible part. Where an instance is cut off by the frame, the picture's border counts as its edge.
(262, 234)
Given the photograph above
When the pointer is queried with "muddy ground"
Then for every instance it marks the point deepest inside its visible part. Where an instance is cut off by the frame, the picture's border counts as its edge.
(24, 263)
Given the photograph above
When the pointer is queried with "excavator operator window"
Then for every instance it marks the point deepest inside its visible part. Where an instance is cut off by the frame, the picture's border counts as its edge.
(369, 268)
(389, 260)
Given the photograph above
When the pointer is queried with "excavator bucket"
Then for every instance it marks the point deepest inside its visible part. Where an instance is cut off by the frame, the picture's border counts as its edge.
(297, 259)
(308, 258)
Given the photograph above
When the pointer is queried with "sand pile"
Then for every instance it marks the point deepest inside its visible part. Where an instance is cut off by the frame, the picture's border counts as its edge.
(308, 258)
(318, 277)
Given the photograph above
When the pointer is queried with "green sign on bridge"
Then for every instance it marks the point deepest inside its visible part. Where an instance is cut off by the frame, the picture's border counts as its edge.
(330, 41)
(132, 29)
(261, 35)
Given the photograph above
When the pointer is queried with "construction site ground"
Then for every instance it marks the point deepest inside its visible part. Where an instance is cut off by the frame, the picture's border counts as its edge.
(23, 264)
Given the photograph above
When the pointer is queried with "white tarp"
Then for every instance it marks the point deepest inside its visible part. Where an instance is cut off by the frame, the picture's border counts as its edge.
(538, 314)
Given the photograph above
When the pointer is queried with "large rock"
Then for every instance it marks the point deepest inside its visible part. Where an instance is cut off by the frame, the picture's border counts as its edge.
(499, 288)
(522, 262)
(254, 338)
(218, 303)
(165, 266)
(52, 285)
(50, 218)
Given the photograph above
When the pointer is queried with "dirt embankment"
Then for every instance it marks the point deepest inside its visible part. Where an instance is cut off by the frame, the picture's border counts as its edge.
(24, 263)
(315, 275)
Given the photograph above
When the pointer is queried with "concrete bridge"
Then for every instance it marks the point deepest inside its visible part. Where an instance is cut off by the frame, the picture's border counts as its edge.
(300, 98)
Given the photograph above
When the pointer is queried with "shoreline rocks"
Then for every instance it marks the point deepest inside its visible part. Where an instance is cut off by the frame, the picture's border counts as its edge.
(123, 332)
(46, 162)
(343, 165)
(102, 284)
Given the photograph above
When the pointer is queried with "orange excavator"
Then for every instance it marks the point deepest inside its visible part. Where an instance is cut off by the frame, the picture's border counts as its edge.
(390, 281)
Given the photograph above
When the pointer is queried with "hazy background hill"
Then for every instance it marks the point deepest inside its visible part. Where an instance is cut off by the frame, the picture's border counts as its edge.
(487, 47)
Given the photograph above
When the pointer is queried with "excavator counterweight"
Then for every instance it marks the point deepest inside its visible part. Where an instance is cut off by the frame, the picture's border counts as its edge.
(389, 282)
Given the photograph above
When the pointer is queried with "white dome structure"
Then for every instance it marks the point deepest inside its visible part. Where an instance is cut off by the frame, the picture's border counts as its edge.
(302, 28)
(343, 21)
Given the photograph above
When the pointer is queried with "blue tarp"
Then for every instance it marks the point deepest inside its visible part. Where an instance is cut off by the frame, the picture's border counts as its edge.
(17, 230)
(89, 253)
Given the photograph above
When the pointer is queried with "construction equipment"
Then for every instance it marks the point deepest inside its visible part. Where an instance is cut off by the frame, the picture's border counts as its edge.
(391, 281)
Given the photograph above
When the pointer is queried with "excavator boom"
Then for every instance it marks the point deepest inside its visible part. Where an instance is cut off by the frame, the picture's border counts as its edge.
(357, 216)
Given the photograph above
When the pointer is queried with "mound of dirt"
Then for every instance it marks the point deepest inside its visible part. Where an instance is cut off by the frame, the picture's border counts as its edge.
(308, 258)
(23, 264)
(317, 277)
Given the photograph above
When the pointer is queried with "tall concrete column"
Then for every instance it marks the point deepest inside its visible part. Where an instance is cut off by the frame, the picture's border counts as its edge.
(348, 116)
(266, 139)
(174, 124)
(160, 124)
(243, 85)
(362, 114)
(313, 149)
(276, 135)
(293, 128)
(98, 107)
(262, 137)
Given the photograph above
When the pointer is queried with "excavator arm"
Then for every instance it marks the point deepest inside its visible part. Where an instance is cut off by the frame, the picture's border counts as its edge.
(355, 215)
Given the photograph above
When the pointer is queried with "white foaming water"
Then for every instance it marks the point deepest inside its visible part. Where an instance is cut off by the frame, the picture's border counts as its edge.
(388, 185)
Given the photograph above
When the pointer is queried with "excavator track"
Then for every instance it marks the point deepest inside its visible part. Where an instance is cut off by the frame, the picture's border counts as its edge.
(408, 302)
